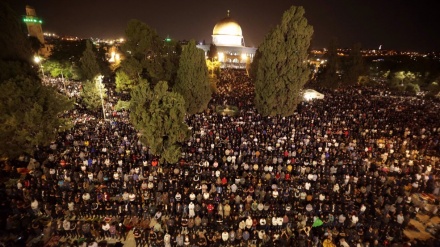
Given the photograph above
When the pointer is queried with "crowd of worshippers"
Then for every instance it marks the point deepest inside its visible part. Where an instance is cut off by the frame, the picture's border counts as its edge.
(342, 170)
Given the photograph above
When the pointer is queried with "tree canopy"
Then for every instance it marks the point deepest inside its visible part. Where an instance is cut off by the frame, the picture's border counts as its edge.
(60, 68)
(354, 66)
(192, 79)
(89, 65)
(91, 94)
(212, 53)
(281, 65)
(329, 77)
(158, 115)
(147, 55)
(68, 51)
(30, 115)
(123, 81)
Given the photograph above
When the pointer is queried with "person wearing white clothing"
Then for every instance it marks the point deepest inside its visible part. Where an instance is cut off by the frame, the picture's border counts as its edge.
(249, 222)
(400, 219)
(192, 196)
(132, 197)
(167, 240)
(105, 228)
(86, 196)
(354, 220)
(279, 221)
(34, 206)
(225, 236)
(234, 188)
(307, 185)
(66, 225)
(191, 210)
(343, 243)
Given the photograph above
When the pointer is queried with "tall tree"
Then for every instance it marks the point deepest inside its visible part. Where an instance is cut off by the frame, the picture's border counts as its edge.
(144, 45)
(101, 58)
(89, 65)
(68, 50)
(91, 94)
(192, 79)
(30, 113)
(132, 68)
(71, 51)
(329, 76)
(354, 66)
(171, 54)
(60, 68)
(282, 68)
(123, 81)
(254, 65)
(212, 53)
(156, 58)
(159, 115)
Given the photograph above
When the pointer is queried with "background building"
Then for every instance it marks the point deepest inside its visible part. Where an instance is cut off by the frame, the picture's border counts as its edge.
(228, 38)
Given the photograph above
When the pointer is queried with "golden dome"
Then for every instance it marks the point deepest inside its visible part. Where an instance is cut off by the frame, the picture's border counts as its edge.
(227, 26)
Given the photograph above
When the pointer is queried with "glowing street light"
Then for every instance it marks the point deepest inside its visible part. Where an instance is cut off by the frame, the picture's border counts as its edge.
(38, 60)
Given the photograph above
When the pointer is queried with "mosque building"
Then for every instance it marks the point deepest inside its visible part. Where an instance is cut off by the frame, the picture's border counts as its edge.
(232, 52)
(33, 24)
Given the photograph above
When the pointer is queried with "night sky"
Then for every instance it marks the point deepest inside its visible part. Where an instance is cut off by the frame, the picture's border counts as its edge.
(394, 24)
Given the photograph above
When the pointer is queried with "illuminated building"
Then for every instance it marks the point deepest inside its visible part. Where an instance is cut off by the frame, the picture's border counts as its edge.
(33, 24)
(228, 38)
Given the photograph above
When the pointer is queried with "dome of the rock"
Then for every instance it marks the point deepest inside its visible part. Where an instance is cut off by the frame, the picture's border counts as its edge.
(227, 26)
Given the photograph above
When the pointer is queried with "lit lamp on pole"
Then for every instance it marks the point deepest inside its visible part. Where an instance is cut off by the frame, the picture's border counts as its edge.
(99, 84)
(64, 82)
(38, 60)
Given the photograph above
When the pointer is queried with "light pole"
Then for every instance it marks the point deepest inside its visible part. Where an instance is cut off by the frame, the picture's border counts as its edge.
(64, 83)
(246, 60)
(213, 63)
(38, 60)
(99, 82)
